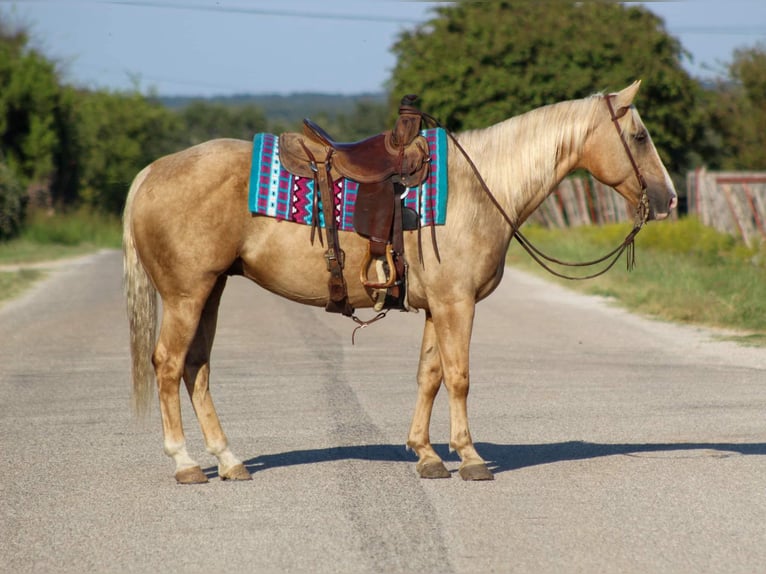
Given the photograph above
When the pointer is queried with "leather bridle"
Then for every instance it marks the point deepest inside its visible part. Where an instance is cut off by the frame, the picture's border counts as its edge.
(644, 200)
(642, 212)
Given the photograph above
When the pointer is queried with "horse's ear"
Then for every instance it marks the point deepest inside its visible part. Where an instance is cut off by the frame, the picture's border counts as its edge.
(624, 98)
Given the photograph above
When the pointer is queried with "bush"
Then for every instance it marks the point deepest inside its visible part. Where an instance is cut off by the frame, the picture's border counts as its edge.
(81, 227)
(13, 200)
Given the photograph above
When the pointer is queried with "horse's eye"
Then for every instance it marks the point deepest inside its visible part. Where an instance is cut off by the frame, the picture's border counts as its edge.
(640, 136)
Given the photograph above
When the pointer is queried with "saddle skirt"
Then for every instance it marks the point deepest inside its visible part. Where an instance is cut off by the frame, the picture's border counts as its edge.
(276, 192)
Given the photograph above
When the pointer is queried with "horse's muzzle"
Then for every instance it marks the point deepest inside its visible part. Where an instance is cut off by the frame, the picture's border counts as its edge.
(660, 215)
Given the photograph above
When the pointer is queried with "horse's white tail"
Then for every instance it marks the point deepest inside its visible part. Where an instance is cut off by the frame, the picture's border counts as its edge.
(142, 309)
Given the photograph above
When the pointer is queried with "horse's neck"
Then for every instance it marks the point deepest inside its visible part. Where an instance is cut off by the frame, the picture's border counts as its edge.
(524, 158)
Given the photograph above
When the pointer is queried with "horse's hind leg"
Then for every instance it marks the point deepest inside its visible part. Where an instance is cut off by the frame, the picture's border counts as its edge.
(429, 465)
(197, 378)
(179, 325)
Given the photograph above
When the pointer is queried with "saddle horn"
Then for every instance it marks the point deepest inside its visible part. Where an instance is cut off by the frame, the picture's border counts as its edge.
(407, 125)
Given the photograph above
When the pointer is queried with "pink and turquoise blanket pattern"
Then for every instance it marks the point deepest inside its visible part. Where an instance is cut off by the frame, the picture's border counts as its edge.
(277, 193)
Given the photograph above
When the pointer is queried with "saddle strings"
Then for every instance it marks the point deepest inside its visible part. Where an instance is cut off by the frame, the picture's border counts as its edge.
(627, 245)
(364, 324)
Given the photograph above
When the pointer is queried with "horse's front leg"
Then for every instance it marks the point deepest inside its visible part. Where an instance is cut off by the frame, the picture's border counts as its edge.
(453, 324)
(429, 465)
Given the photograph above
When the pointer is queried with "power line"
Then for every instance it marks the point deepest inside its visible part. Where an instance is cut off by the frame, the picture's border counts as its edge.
(261, 11)
(334, 16)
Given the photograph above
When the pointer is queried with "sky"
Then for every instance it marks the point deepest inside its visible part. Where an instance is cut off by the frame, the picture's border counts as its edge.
(226, 47)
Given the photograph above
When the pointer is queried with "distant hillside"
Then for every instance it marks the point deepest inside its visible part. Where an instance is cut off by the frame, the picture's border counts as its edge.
(290, 108)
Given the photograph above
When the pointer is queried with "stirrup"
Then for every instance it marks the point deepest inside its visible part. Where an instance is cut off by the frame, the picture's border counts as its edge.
(390, 282)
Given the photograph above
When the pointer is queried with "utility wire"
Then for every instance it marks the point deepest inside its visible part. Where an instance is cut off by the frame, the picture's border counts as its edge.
(334, 16)
(246, 10)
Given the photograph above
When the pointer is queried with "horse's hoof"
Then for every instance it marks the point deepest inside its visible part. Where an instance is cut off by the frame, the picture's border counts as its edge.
(433, 469)
(478, 471)
(193, 475)
(236, 472)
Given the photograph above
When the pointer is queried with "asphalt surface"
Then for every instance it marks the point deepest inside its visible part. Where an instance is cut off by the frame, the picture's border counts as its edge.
(619, 444)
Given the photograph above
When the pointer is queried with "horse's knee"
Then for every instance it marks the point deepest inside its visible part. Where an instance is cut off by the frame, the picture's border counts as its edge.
(457, 382)
(429, 385)
(429, 377)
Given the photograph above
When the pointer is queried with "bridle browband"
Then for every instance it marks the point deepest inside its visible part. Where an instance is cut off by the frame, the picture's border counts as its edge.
(642, 211)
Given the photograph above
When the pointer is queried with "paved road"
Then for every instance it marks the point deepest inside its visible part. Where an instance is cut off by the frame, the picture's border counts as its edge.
(619, 444)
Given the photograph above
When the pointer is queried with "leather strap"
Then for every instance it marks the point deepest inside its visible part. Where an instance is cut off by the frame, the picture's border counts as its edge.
(615, 121)
(315, 200)
(338, 301)
(397, 242)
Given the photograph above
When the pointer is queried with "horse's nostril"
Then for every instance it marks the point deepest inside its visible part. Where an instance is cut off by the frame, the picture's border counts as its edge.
(673, 203)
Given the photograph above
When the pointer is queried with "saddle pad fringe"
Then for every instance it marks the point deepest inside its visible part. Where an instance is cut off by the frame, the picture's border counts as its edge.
(275, 192)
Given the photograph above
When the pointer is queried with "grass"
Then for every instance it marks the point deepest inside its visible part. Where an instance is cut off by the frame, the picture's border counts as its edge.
(21, 251)
(61, 235)
(13, 283)
(685, 272)
(48, 237)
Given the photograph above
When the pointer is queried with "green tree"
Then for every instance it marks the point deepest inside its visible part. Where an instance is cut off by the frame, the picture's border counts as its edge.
(204, 121)
(367, 118)
(12, 203)
(32, 107)
(30, 104)
(118, 133)
(477, 63)
(738, 111)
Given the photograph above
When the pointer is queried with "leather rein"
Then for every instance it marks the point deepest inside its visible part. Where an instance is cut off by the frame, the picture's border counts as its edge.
(642, 213)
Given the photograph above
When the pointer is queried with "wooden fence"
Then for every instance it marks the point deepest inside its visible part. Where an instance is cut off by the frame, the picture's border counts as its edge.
(582, 201)
(732, 202)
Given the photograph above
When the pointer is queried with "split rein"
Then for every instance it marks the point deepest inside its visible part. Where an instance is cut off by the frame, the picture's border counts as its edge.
(627, 245)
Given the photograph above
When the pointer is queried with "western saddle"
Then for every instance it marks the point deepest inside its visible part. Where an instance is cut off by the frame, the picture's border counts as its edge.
(384, 166)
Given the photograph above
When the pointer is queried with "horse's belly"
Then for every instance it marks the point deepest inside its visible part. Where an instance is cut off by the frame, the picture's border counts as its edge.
(280, 256)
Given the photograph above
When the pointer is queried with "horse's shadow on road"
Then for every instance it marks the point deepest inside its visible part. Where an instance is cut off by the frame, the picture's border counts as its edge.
(501, 457)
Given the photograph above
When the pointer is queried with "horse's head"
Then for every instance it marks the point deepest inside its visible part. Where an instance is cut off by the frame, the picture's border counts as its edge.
(633, 163)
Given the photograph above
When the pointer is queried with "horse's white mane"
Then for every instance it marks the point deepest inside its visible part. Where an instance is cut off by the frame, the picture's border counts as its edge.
(519, 156)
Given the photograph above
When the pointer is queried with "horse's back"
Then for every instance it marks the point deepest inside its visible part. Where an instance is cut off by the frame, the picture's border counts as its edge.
(207, 156)
(183, 179)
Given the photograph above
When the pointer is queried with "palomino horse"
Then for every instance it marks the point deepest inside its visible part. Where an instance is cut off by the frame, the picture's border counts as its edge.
(187, 227)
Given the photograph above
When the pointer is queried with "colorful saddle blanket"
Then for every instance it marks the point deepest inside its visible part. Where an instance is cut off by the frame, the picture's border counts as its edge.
(275, 192)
